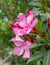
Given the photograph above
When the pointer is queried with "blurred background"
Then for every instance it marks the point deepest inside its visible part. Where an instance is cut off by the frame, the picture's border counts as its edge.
(9, 10)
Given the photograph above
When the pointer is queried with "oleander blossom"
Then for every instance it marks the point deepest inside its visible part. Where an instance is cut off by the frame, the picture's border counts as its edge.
(21, 47)
(24, 23)
(23, 26)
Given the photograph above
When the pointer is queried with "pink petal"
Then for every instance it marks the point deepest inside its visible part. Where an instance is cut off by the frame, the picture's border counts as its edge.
(26, 54)
(30, 16)
(22, 23)
(17, 41)
(22, 20)
(34, 22)
(27, 45)
(18, 31)
(18, 51)
(20, 15)
(17, 38)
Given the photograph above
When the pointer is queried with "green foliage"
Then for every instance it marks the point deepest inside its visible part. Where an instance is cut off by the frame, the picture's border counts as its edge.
(40, 50)
(39, 25)
(35, 45)
(36, 56)
(46, 60)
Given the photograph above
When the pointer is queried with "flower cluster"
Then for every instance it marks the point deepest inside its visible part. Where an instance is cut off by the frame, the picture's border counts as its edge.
(23, 26)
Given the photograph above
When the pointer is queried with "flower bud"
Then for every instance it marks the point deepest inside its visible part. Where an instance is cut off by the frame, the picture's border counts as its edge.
(34, 30)
(48, 23)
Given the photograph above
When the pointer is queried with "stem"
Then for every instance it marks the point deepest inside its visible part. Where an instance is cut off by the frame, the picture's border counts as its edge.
(43, 35)
(46, 39)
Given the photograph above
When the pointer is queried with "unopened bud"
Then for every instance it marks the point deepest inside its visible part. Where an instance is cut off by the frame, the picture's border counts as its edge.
(48, 23)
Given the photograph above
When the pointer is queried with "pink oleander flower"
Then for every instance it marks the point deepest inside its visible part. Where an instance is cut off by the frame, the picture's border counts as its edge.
(21, 47)
(24, 23)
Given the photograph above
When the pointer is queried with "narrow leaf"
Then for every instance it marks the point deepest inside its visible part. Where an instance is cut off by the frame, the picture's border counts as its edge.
(34, 45)
(37, 56)
(47, 59)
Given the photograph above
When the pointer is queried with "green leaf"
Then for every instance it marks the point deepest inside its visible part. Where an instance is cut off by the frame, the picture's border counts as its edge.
(39, 25)
(38, 62)
(47, 59)
(34, 45)
(37, 56)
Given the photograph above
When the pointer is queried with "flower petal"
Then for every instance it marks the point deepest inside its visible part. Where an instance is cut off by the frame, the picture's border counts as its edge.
(17, 41)
(30, 17)
(17, 38)
(34, 22)
(26, 54)
(27, 45)
(22, 20)
(18, 31)
(18, 51)
(20, 15)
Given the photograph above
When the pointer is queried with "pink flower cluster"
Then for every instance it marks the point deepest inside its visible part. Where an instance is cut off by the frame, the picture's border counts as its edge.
(23, 26)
